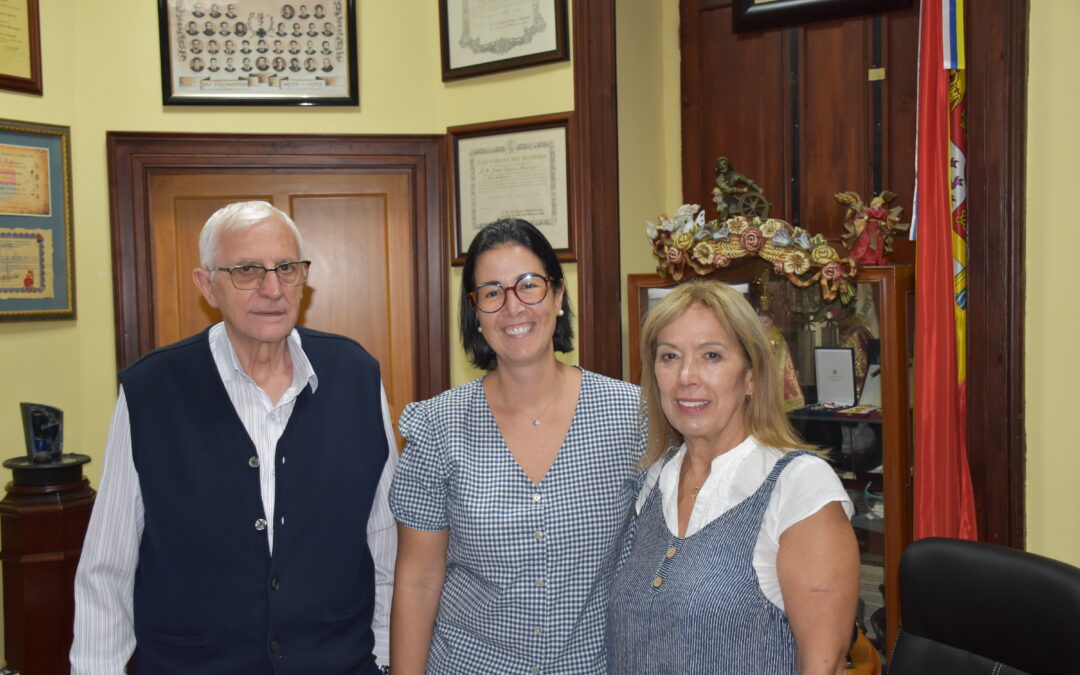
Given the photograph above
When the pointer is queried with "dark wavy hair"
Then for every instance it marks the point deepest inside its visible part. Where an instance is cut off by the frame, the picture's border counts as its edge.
(509, 232)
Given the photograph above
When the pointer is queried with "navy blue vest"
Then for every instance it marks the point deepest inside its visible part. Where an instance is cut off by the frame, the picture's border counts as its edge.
(209, 598)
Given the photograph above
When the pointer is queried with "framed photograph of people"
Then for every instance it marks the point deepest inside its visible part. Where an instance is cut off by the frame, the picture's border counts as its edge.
(20, 46)
(258, 52)
(37, 254)
(751, 15)
(486, 36)
(512, 169)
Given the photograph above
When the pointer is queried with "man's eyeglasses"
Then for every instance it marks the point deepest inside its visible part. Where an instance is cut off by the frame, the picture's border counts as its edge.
(530, 289)
(250, 277)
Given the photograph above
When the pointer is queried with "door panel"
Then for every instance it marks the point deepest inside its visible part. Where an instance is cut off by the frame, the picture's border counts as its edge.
(356, 232)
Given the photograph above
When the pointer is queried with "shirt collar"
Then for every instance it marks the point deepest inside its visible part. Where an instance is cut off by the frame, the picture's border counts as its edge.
(229, 368)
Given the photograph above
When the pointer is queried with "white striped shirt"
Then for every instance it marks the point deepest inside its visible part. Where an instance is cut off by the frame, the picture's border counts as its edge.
(105, 581)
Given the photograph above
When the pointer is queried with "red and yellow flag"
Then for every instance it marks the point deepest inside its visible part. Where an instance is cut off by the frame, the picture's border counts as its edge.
(944, 503)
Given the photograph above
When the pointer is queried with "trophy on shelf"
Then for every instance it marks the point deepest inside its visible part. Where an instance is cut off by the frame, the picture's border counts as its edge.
(45, 462)
(43, 426)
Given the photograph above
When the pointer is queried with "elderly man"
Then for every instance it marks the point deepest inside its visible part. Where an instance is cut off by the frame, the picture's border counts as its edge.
(242, 523)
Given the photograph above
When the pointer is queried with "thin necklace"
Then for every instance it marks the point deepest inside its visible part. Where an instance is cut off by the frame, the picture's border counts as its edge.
(558, 388)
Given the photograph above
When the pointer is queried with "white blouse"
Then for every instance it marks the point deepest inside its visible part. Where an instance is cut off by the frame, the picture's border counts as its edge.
(805, 486)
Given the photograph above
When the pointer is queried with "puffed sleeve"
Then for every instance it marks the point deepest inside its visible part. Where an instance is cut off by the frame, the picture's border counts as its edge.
(804, 488)
(419, 490)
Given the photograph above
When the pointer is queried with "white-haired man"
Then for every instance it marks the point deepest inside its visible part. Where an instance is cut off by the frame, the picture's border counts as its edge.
(242, 523)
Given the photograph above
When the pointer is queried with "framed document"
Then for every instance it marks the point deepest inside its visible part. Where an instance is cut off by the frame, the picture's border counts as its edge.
(37, 257)
(20, 46)
(258, 52)
(749, 15)
(485, 36)
(511, 169)
(834, 375)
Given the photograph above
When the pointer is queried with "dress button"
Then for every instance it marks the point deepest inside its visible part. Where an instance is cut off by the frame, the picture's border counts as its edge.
(539, 581)
(536, 670)
(253, 462)
(657, 582)
(536, 497)
(671, 552)
(538, 535)
(274, 583)
(538, 630)
(260, 524)
(274, 645)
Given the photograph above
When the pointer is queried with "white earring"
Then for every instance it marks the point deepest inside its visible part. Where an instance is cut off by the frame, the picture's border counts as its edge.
(479, 329)
(561, 313)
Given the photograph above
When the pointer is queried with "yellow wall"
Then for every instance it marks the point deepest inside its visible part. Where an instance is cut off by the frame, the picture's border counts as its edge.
(650, 149)
(1053, 313)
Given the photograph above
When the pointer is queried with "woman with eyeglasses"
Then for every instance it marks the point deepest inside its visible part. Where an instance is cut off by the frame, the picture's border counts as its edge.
(512, 489)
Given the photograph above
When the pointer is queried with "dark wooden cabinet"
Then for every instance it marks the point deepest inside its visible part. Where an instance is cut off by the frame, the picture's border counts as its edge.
(43, 520)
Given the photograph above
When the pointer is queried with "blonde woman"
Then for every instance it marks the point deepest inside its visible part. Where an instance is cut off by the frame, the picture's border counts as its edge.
(743, 560)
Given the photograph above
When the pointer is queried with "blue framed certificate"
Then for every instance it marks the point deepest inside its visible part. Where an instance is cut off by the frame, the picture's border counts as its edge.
(37, 256)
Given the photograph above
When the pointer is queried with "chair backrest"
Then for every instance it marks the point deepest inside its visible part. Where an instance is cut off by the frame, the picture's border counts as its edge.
(967, 607)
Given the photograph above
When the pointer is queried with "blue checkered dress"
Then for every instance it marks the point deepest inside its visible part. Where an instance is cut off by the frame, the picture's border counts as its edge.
(529, 566)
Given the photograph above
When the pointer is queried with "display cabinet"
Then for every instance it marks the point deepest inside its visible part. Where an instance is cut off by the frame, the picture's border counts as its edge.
(864, 347)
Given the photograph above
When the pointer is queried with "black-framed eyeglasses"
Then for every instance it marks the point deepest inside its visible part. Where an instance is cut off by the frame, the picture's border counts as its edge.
(530, 289)
(249, 277)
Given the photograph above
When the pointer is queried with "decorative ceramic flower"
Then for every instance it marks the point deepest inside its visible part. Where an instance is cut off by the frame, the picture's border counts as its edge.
(684, 240)
(722, 234)
(833, 270)
(703, 252)
(797, 263)
(771, 226)
(781, 238)
(802, 239)
(675, 254)
(823, 254)
(650, 230)
(721, 260)
(751, 239)
(737, 224)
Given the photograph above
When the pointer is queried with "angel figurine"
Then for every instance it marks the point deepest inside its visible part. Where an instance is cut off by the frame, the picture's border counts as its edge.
(869, 230)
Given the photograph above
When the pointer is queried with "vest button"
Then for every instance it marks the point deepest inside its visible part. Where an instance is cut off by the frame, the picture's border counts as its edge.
(274, 645)
(671, 552)
(260, 524)
(274, 583)
(253, 462)
(657, 582)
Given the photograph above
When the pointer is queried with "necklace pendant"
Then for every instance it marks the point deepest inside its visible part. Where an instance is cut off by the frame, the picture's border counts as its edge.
(536, 422)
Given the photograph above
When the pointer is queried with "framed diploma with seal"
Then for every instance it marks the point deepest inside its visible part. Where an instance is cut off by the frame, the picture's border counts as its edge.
(37, 256)
(486, 36)
(511, 169)
(258, 52)
(20, 46)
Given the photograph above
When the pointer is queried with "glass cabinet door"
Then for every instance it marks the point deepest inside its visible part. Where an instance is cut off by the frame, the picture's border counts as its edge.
(846, 372)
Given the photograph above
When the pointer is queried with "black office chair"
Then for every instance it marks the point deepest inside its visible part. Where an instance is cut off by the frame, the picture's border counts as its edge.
(969, 608)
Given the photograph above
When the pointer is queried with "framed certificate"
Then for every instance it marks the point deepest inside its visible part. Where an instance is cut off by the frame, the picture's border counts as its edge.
(258, 52)
(20, 46)
(511, 169)
(486, 36)
(834, 375)
(37, 256)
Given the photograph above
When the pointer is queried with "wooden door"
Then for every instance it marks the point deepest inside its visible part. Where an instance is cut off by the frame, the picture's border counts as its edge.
(356, 232)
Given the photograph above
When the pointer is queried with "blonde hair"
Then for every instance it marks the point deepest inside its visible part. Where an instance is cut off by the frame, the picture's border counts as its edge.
(764, 412)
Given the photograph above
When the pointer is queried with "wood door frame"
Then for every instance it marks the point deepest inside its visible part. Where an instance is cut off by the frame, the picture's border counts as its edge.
(134, 157)
(594, 148)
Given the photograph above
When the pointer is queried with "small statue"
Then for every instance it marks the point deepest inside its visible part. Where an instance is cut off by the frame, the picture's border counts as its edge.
(869, 230)
(737, 195)
(43, 426)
